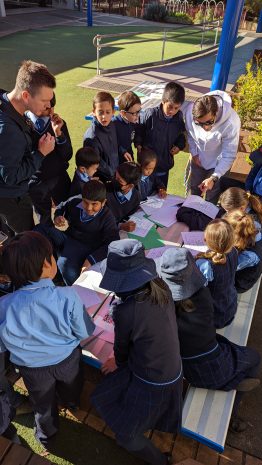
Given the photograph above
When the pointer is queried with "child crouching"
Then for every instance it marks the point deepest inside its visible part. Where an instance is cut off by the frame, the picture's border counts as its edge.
(42, 326)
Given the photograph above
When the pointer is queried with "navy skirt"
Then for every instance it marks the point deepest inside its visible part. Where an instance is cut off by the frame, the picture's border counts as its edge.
(222, 369)
(130, 406)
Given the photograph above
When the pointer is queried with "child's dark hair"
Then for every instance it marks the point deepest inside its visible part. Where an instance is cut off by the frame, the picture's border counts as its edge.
(94, 190)
(235, 197)
(87, 156)
(23, 257)
(130, 172)
(146, 156)
(127, 100)
(156, 291)
(103, 97)
(173, 93)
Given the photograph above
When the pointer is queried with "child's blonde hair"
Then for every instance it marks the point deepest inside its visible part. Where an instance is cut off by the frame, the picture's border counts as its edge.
(234, 197)
(219, 237)
(244, 228)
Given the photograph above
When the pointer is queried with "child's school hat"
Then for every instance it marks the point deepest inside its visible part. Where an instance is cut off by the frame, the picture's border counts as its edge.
(127, 267)
(178, 269)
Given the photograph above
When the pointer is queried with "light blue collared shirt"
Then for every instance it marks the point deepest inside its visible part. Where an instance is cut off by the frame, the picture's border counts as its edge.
(41, 324)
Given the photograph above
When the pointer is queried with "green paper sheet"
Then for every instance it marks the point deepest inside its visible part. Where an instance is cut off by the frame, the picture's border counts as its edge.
(151, 241)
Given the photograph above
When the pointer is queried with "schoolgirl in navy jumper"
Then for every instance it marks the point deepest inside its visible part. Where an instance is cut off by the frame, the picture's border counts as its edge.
(248, 242)
(41, 326)
(102, 136)
(143, 386)
(122, 197)
(51, 183)
(209, 360)
(219, 266)
(162, 129)
(87, 163)
(92, 227)
(129, 108)
(149, 183)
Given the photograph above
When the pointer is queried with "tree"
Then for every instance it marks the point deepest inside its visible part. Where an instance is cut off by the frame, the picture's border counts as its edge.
(254, 6)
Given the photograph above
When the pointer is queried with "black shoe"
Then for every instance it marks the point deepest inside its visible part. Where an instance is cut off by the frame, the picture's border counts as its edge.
(237, 425)
(248, 384)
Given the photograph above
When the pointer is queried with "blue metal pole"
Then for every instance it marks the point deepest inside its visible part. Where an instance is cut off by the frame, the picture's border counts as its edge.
(89, 13)
(227, 43)
(259, 25)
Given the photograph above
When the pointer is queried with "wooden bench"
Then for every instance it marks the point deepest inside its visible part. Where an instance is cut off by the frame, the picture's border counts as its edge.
(14, 454)
(207, 413)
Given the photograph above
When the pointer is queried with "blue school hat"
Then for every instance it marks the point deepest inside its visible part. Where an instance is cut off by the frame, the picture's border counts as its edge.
(127, 267)
(178, 269)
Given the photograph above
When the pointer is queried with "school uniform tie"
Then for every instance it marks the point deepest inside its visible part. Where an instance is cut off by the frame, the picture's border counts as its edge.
(40, 124)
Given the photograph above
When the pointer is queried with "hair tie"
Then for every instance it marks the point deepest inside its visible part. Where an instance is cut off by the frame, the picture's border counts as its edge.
(248, 195)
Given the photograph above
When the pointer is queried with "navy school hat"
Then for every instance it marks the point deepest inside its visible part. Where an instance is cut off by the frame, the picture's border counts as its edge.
(178, 269)
(127, 267)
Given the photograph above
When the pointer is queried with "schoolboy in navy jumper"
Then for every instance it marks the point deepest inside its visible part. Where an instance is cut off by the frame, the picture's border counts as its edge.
(102, 136)
(122, 197)
(209, 360)
(92, 227)
(129, 105)
(162, 129)
(143, 386)
(219, 266)
(42, 325)
(87, 163)
(149, 183)
(51, 182)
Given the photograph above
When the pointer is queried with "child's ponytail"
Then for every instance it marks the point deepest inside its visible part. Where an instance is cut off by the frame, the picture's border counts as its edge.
(256, 205)
(244, 229)
(219, 237)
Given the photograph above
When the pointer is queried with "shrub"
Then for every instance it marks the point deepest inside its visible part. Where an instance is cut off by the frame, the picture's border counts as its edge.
(199, 18)
(155, 12)
(255, 140)
(183, 18)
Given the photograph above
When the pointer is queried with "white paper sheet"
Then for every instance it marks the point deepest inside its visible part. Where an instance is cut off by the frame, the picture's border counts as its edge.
(143, 225)
(156, 253)
(197, 203)
(88, 296)
(165, 216)
(91, 280)
(194, 240)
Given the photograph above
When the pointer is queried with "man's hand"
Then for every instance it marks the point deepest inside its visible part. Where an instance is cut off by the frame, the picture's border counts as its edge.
(57, 124)
(197, 161)
(162, 193)
(129, 226)
(60, 221)
(46, 144)
(206, 185)
(86, 265)
(174, 150)
(128, 157)
(109, 366)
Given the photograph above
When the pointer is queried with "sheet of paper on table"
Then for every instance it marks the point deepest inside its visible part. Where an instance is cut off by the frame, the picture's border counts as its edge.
(91, 280)
(89, 297)
(197, 203)
(165, 216)
(154, 203)
(156, 253)
(194, 240)
(143, 225)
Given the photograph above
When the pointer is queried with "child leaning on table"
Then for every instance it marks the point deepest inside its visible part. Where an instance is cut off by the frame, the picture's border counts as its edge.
(42, 325)
(219, 266)
(149, 183)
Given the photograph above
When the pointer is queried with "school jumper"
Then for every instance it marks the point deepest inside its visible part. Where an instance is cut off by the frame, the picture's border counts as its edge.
(145, 392)
(42, 326)
(221, 284)
(254, 178)
(51, 181)
(18, 162)
(246, 278)
(150, 185)
(103, 139)
(125, 132)
(160, 133)
(122, 206)
(209, 360)
(195, 220)
(87, 237)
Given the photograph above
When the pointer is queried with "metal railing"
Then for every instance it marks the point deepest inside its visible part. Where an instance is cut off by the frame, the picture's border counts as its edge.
(202, 30)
